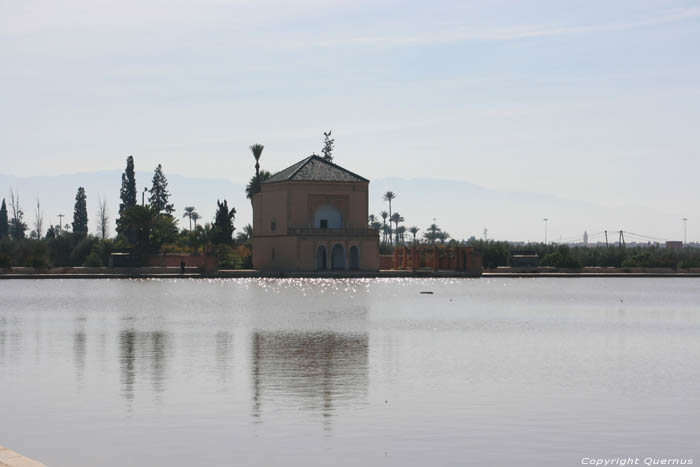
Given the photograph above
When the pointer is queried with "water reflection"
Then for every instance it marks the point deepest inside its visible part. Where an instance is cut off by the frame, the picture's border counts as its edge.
(224, 349)
(3, 339)
(310, 370)
(150, 348)
(158, 356)
(127, 363)
(79, 346)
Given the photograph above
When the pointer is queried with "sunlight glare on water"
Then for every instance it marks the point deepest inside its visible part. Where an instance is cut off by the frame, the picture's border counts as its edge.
(349, 371)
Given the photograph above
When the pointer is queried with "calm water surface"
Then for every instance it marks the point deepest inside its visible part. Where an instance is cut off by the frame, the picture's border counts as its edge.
(483, 372)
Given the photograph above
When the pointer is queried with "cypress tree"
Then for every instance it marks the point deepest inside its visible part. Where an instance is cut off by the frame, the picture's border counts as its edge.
(159, 193)
(4, 225)
(80, 217)
(223, 223)
(128, 190)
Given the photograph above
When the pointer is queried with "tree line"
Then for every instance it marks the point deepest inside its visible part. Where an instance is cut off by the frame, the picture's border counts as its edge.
(393, 236)
(143, 227)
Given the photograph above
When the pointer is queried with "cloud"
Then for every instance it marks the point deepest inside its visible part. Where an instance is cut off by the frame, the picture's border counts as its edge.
(495, 34)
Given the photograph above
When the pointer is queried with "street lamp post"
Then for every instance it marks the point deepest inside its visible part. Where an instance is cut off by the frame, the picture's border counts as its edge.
(545, 230)
(143, 196)
(685, 231)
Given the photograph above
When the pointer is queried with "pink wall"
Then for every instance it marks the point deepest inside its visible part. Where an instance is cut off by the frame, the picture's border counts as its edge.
(294, 204)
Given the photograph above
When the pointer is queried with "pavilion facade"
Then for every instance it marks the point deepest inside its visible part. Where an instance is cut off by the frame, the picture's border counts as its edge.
(312, 216)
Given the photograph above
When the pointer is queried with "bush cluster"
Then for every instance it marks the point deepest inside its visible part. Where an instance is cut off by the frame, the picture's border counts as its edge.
(497, 253)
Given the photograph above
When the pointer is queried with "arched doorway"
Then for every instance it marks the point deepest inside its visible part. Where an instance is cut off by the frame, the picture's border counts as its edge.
(338, 257)
(321, 258)
(354, 257)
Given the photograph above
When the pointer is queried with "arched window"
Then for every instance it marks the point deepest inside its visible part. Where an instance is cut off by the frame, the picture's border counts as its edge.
(327, 216)
(337, 257)
(321, 258)
(354, 257)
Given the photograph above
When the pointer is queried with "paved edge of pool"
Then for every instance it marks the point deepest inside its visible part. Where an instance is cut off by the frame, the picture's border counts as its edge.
(241, 274)
(9, 458)
(253, 274)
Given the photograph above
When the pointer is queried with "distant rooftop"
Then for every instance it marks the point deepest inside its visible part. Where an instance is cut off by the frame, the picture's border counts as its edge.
(315, 169)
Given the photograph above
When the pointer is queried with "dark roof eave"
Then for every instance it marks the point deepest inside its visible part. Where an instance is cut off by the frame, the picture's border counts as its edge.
(299, 165)
(363, 180)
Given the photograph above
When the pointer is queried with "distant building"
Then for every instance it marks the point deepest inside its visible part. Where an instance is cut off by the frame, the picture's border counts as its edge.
(674, 245)
(312, 216)
(523, 259)
(585, 238)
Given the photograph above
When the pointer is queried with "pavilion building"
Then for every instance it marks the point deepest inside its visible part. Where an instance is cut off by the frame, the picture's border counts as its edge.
(312, 216)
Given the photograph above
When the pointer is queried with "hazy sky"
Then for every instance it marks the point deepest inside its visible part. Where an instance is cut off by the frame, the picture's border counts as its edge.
(589, 100)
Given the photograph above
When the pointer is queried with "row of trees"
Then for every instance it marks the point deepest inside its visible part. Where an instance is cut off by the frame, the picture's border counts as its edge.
(13, 225)
(498, 253)
(148, 227)
(145, 228)
(396, 235)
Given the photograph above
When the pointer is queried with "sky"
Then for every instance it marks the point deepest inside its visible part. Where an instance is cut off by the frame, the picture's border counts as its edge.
(584, 100)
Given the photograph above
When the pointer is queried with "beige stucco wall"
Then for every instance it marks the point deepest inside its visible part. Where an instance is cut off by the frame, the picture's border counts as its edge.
(284, 257)
(299, 253)
(294, 204)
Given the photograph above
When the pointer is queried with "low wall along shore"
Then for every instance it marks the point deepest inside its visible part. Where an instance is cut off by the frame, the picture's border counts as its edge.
(194, 272)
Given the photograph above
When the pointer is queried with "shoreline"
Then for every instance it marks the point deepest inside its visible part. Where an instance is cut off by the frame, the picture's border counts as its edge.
(10, 458)
(193, 273)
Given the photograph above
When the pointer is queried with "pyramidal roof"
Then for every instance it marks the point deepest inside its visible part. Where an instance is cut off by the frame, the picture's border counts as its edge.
(315, 169)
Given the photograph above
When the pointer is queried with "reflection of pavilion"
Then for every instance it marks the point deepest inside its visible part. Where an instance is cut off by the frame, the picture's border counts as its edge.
(313, 216)
(312, 369)
(138, 346)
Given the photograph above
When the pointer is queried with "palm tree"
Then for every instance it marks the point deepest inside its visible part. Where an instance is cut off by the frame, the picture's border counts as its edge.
(414, 230)
(205, 235)
(140, 220)
(386, 230)
(245, 235)
(257, 150)
(389, 196)
(442, 236)
(255, 184)
(400, 231)
(396, 218)
(432, 234)
(189, 210)
(195, 217)
(384, 215)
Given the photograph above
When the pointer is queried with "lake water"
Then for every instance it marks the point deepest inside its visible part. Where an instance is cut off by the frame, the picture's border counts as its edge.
(483, 372)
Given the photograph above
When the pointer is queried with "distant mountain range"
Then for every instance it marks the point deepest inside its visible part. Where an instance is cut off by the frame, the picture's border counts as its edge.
(462, 208)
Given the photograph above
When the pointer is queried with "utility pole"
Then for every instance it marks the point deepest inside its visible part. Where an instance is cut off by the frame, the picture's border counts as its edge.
(60, 223)
(685, 231)
(143, 196)
(545, 230)
(606, 239)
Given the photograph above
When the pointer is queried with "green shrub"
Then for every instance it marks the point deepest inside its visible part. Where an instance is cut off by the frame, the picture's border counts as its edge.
(26, 252)
(94, 260)
(227, 257)
(81, 251)
(37, 262)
